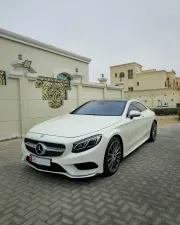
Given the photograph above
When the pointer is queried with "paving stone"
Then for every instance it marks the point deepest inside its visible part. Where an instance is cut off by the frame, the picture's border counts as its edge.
(54, 219)
(17, 220)
(39, 222)
(145, 190)
(66, 221)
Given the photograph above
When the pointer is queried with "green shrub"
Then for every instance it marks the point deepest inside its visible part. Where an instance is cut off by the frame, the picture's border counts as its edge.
(178, 105)
(178, 112)
(165, 111)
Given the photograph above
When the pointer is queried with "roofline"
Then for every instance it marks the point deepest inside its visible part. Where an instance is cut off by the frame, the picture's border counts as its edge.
(156, 71)
(126, 64)
(38, 44)
(157, 89)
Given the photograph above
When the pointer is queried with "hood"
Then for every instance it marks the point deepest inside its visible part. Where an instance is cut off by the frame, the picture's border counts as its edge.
(72, 125)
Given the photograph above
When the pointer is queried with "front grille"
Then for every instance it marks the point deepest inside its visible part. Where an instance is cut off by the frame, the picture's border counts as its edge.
(48, 144)
(52, 149)
(53, 168)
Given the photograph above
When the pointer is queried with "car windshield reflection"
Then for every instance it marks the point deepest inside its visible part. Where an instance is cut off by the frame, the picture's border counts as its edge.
(101, 108)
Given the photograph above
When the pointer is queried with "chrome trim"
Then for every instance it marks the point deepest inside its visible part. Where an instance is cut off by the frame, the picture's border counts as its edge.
(45, 147)
(30, 144)
(66, 174)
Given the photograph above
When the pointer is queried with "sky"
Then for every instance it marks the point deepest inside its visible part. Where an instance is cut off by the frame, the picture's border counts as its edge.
(110, 32)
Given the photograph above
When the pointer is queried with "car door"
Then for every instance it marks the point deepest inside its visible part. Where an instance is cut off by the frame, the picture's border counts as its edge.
(147, 121)
(134, 126)
(144, 120)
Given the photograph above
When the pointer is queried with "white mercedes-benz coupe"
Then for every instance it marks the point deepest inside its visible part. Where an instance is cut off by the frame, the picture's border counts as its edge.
(91, 140)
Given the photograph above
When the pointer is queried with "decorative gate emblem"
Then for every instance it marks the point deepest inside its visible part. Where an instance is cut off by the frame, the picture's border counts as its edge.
(54, 90)
(40, 149)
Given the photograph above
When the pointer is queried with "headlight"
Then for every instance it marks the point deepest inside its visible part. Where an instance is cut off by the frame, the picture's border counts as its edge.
(87, 143)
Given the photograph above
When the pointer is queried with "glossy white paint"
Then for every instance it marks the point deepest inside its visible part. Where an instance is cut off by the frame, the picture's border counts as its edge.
(71, 128)
(83, 124)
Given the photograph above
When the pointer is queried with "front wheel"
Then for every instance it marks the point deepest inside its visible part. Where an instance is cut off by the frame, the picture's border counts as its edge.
(153, 133)
(113, 156)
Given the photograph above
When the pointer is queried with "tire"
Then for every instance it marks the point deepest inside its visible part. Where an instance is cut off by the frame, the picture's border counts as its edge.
(113, 156)
(153, 133)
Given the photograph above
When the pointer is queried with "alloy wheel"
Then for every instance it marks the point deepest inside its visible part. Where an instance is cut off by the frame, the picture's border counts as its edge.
(154, 131)
(114, 156)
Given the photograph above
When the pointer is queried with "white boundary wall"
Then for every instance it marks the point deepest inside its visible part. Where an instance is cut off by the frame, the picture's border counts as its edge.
(21, 104)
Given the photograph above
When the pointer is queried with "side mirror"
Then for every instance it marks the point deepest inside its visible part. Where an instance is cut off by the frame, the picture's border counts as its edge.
(134, 113)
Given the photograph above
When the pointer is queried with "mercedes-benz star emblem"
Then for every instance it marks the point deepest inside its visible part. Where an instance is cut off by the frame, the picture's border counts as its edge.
(40, 149)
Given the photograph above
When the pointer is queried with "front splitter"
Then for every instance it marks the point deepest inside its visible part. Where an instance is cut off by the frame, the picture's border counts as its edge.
(65, 174)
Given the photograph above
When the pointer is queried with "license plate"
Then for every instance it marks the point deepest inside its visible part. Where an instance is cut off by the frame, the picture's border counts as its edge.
(40, 161)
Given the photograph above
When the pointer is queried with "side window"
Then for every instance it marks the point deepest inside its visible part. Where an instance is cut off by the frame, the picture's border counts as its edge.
(131, 107)
(136, 104)
(141, 107)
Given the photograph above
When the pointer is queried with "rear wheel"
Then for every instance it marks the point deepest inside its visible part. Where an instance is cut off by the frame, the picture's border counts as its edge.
(153, 133)
(113, 156)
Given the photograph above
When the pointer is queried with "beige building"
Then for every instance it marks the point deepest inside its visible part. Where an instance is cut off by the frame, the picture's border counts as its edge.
(153, 87)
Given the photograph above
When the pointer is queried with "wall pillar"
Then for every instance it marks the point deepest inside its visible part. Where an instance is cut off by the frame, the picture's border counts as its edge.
(22, 72)
(121, 84)
(77, 80)
(102, 80)
(23, 98)
(79, 94)
(105, 92)
(23, 83)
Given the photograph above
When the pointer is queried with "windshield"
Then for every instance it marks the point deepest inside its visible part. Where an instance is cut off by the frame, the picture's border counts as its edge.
(101, 108)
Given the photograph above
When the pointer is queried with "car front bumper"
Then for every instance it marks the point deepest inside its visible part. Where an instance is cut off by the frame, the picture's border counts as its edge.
(65, 164)
(62, 173)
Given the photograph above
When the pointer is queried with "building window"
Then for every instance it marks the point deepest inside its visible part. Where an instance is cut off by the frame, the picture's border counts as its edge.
(115, 74)
(172, 100)
(137, 83)
(165, 84)
(121, 75)
(130, 74)
(145, 100)
(63, 76)
(130, 89)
